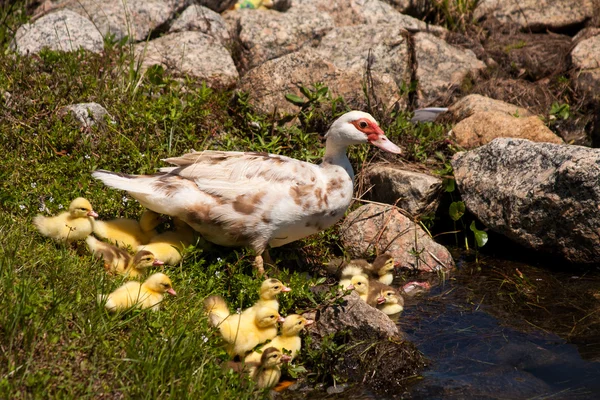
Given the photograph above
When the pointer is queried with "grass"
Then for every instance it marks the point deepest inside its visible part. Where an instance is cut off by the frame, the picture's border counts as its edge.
(55, 340)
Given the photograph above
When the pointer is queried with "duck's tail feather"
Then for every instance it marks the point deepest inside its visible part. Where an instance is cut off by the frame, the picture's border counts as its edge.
(142, 184)
(216, 308)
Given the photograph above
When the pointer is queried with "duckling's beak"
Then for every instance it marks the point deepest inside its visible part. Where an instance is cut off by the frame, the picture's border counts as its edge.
(286, 358)
(172, 292)
(286, 289)
(350, 287)
(158, 262)
(281, 319)
(309, 322)
(92, 213)
(380, 300)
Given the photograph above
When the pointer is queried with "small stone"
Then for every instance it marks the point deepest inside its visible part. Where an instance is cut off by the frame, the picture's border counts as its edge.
(88, 114)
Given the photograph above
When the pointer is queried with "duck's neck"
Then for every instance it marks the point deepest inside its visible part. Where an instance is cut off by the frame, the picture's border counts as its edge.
(335, 154)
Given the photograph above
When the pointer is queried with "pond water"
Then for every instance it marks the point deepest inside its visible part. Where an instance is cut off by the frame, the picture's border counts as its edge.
(503, 330)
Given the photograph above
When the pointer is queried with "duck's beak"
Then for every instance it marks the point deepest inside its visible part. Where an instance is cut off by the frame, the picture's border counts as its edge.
(380, 300)
(92, 213)
(172, 292)
(350, 287)
(158, 262)
(281, 319)
(286, 289)
(378, 138)
(309, 322)
(286, 358)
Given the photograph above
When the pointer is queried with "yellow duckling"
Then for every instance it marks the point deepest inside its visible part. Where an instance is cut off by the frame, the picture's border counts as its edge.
(288, 340)
(242, 332)
(390, 301)
(69, 226)
(382, 269)
(267, 372)
(119, 261)
(144, 295)
(168, 246)
(268, 292)
(360, 284)
(125, 232)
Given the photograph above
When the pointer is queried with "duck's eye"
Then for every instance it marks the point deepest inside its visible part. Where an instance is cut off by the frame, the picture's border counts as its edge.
(300, 323)
(363, 124)
(276, 287)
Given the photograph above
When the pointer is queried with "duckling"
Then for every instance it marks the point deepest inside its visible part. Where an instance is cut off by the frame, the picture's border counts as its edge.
(288, 340)
(119, 261)
(144, 295)
(267, 371)
(69, 226)
(390, 302)
(360, 284)
(268, 292)
(125, 232)
(382, 269)
(242, 332)
(168, 246)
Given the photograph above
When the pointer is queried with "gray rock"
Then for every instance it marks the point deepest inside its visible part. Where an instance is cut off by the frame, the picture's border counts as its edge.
(62, 30)
(383, 46)
(88, 114)
(483, 127)
(414, 192)
(474, 103)
(543, 196)
(586, 57)
(385, 229)
(536, 15)
(202, 19)
(192, 53)
(268, 83)
(268, 34)
(441, 67)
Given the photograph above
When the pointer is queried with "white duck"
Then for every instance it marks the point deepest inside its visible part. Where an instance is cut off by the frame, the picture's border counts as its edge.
(257, 199)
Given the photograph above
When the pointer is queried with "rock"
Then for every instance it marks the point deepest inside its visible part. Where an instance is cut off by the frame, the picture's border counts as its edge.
(350, 47)
(192, 53)
(384, 229)
(268, 83)
(414, 192)
(373, 12)
(536, 15)
(586, 57)
(441, 67)
(474, 103)
(88, 114)
(543, 196)
(134, 18)
(202, 19)
(62, 30)
(268, 34)
(483, 127)
(217, 5)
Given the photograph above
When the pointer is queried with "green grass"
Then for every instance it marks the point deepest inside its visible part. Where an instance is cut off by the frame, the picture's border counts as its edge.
(55, 340)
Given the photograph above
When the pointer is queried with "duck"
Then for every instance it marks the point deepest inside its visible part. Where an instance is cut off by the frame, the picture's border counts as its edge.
(241, 332)
(149, 294)
(268, 292)
(288, 340)
(360, 284)
(69, 226)
(169, 246)
(390, 302)
(266, 372)
(128, 233)
(117, 260)
(382, 269)
(252, 199)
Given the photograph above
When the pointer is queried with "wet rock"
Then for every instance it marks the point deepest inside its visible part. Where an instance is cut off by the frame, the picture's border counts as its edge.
(441, 67)
(62, 30)
(385, 229)
(483, 127)
(543, 196)
(474, 103)
(192, 53)
(414, 192)
(536, 15)
(88, 114)
(586, 57)
(268, 34)
(268, 83)
(383, 47)
(202, 19)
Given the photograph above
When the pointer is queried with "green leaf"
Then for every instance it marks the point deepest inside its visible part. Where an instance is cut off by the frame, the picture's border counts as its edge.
(449, 185)
(457, 210)
(481, 237)
(295, 99)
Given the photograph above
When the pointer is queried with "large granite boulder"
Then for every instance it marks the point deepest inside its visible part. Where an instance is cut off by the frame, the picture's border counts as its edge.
(543, 196)
(62, 30)
(586, 58)
(202, 19)
(474, 103)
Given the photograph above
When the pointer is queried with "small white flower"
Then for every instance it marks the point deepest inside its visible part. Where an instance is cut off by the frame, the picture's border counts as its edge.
(125, 199)
(219, 259)
(22, 206)
(51, 199)
(144, 155)
(239, 310)
(87, 157)
(33, 185)
(218, 274)
(41, 209)
(204, 338)
(60, 206)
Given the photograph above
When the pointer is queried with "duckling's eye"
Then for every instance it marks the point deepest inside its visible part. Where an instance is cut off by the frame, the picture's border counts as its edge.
(276, 287)
(300, 323)
(363, 124)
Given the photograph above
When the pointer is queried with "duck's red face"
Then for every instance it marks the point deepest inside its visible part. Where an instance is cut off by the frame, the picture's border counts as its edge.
(375, 135)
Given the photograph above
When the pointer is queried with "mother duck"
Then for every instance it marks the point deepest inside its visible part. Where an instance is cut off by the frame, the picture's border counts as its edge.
(257, 199)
